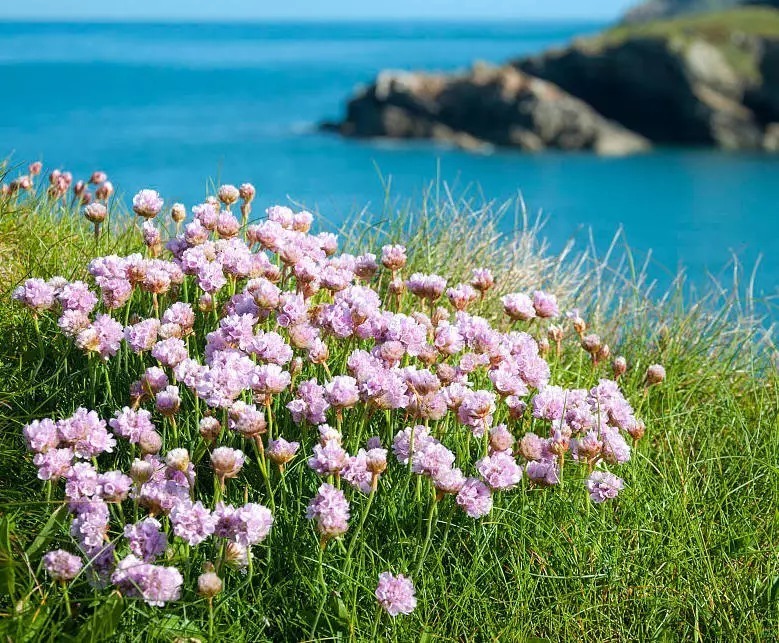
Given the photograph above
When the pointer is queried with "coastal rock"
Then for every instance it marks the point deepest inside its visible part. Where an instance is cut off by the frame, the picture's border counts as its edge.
(485, 106)
(669, 90)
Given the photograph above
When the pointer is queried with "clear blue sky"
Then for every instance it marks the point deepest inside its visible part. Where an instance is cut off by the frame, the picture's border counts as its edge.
(309, 9)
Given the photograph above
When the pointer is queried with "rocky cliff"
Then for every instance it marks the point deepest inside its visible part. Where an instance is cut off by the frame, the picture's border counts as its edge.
(682, 82)
(710, 80)
(484, 106)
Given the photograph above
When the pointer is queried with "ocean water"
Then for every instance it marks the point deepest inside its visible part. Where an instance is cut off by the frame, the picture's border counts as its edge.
(174, 106)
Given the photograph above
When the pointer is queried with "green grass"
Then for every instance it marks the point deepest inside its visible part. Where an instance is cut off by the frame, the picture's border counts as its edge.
(687, 552)
(730, 31)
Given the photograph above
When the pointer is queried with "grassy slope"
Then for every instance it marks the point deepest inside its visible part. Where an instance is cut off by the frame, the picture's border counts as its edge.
(687, 552)
(729, 30)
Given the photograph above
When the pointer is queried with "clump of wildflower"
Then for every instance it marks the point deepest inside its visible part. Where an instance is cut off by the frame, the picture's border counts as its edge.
(396, 594)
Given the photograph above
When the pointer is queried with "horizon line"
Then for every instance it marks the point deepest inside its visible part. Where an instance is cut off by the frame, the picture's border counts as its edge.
(300, 19)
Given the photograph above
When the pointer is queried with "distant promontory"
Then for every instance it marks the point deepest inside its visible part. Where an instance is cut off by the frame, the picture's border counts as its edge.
(709, 79)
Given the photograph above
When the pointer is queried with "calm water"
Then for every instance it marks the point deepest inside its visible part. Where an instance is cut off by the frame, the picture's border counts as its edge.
(172, 106)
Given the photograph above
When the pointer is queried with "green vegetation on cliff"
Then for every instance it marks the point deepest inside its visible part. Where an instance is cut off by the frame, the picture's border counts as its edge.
(734, 32)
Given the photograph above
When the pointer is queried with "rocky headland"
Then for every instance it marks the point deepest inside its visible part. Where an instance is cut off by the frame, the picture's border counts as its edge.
(704, 80)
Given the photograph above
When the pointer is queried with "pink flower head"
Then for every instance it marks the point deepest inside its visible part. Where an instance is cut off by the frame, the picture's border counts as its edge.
(146, 539)
(410, 440)
(280, 451)
(396, 594)
(545, 304)
(500, 470)
(393, 257)
(244, 526)
(329, 458)
(86, 433)
(41, 435)
(429, 287)
(461, 296)
(475, 498)
(155, 584)
(143, 335)
(147, 203)
(330, 509)
(602, 486)
(192, 521)
(36, 294)
(543, 472)
(271, 379)
(482, 279)
(518, 306)
(342, 392)
(77, 296)
(62, 565)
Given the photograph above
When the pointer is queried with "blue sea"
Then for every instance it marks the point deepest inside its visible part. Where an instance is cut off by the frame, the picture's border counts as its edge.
(174, 106)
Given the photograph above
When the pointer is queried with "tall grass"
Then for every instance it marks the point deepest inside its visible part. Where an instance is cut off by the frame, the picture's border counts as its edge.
(688, 552)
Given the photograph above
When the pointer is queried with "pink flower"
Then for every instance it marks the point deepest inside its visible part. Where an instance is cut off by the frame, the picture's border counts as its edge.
(545, 304)
(602, 486)
(61, 565)
(500, 470)
(330, 509)
(396, 594)
(147, 203)
(155, 584)
(518, 306)
(475, 498)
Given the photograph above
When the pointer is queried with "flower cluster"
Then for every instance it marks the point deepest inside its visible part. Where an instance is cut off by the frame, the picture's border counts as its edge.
(241, 332)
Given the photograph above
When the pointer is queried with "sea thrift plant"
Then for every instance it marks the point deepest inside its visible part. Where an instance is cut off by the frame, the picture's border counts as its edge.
(277, 385)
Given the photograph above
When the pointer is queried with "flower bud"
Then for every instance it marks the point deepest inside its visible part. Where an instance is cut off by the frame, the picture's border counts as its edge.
(247, 192)
(579, 325)
(397, 286)
(104, 191)
(228, 194)
(178, 212)
(543, 346)
(227, 462)
(209, 584)
(555, 333)
(655, 374)
(178, 459)
(141, 471)
(637, 429)
(210, 428)
(296, 366)
(604, 353)
(376, 460)
(95, 212)
(591, 343)
(619, 366)
(98, 177)
(150, 442)
(205, 303)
